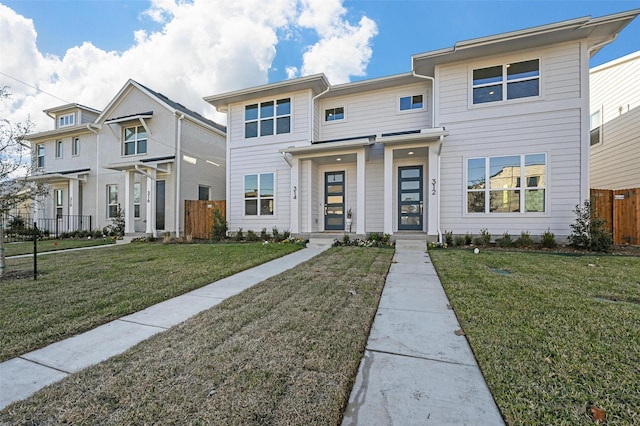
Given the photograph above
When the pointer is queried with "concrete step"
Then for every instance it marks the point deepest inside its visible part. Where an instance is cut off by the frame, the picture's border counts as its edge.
(321, 242)
(411, 244)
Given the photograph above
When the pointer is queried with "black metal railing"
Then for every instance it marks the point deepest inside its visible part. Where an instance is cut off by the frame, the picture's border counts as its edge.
(19, 227)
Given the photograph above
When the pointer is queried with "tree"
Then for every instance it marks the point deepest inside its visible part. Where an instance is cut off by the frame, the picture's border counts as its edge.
(15, 167)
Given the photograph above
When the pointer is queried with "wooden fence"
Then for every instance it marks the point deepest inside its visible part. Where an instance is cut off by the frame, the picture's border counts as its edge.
(198, 217)
(621, 210)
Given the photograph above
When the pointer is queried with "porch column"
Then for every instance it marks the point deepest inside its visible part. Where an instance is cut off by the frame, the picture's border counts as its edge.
(433, 189)
(151, 202)
(311, 211)
(74, 197)
(295, 196)
(129, 226)
(361, 195)
(388, 191)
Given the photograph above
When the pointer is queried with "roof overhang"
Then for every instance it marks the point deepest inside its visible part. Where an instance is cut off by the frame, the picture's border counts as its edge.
(59, 133)
(51, 112)
(597, 32)
(372, 84)
(328, 147)
(139, 116)
(425, 135)
(317, 83)
(144, 163)
(78, 174)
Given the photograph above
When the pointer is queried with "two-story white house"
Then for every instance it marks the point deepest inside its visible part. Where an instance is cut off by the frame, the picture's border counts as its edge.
(615, 123)
(144, 154)
(490, 133)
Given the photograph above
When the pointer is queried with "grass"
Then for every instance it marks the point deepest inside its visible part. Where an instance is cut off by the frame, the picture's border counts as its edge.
(285, 351)
(77, 291)
(16, 249)
(554, 334)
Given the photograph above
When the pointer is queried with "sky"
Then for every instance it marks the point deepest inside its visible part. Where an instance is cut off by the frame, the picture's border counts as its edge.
(54, 52)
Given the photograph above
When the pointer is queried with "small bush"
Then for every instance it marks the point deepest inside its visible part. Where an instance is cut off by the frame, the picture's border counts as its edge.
(263, 235)
(286, 235)
(588, 232)
(483, 239)
(548, 239)
(448, 237)
(468, 239)
(239, 235)
(505, 241)
(220, 225)
(458, 240)
(346, 240)
(524, 240)
(251, 236)
(277, 237)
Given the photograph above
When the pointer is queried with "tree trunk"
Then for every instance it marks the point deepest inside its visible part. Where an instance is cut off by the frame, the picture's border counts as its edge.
(2, 264)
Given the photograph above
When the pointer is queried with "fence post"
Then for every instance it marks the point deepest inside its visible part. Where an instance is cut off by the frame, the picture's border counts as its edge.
(35, 251)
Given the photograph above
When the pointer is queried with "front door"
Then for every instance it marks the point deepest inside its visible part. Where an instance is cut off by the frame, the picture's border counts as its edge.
(334, 201)
(160, 203)
(410, 198)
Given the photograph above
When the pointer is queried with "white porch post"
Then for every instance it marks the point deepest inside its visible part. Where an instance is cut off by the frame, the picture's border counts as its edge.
(128, 203)
(295, 196)
(308, 169)
(361, 192)
(151, 202)
(433, 188)
(388, 190)
(74, 197)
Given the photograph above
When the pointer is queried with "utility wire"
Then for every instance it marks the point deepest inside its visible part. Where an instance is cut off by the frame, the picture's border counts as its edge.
(34, 87)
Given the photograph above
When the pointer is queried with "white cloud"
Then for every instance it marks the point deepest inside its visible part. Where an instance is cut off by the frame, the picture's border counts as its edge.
(205, 47)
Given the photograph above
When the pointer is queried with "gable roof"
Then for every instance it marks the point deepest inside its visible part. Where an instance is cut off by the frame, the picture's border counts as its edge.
(597, 31)
(51, 112)
(163, 100)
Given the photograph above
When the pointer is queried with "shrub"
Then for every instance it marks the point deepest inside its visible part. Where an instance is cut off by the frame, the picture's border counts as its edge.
(548, 239)
(220, 225)
(505, 241)
(459, 240)
(263, 235)
(483, 239)
(448, 237)
(524, 240)
(468, 239)
(286, 235)
(251, 236)
(587, 232)
(239, 235)
(277, 237)
(346, 240)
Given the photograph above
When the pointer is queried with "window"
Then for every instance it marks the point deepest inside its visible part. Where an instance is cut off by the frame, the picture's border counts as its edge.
(265, 118)
(411, 102)
(66, 120)
(58, 149)
(258, 195)
(136, 200)
(505, 82)
(75, 146)
(596, 122)
(57, 195)
(112, 201)
(203, 192)
(135, 140)
(505, 175)
(333, 114)
(40, 155)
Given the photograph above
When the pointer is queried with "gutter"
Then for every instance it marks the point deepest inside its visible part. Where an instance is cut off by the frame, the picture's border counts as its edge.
(433, 98)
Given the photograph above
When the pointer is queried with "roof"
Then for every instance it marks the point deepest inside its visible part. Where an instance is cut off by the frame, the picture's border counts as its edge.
(317, 83)
(59, 133)
(614, 63)
(598, 32)
(51, 112)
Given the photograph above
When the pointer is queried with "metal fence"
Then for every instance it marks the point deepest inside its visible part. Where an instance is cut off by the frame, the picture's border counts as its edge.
(19, 227)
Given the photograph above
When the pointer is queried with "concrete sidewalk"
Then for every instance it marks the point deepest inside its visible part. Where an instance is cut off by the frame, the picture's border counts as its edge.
(415, 369)
(22, 376)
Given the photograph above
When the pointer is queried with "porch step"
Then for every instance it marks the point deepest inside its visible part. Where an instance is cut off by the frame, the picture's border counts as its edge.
(320, 242)
(411, 244)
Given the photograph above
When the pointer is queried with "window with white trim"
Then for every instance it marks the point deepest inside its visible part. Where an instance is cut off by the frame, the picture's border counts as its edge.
(505, 82)
(259, 194)
(203, 192)
(112, 201)
(58, 149)
(267, 118)
(58, 197)
(334, 114)
(516, 183)
(408, 103)
(135, 140)
(75, 146)
(136, 199)
(66, 120)
(596, 123)
(40, 155)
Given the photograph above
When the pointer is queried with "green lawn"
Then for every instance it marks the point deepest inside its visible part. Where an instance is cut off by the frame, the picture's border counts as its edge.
(77, 291)
(283, 352)
(554, 334)
(15, 249)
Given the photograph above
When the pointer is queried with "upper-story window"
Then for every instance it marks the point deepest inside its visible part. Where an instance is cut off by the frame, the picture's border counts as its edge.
(75, 146)
(58, 149)
(267, 118)
(411, 102)
(508, 81)
(334, 114)
(66, 120)
(135, 140)
(596, 122)
(40, 156)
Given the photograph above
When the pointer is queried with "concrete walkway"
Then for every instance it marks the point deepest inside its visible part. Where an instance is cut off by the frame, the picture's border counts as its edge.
(21, 377)
(415, 369)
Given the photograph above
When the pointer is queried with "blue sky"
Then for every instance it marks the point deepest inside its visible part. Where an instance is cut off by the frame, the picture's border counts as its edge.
(84, 50)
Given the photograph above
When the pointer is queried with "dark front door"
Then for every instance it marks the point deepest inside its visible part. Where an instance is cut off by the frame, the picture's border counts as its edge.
(410, 198)
(334, 201)
(160, 199)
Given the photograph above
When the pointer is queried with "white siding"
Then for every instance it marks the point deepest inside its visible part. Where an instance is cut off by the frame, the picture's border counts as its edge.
(376, 112)
(374, 220)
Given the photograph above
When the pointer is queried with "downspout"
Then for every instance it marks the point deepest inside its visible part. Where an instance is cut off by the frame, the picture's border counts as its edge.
(312, 115)
(90, 128)
(438, 193)
(178, 168)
